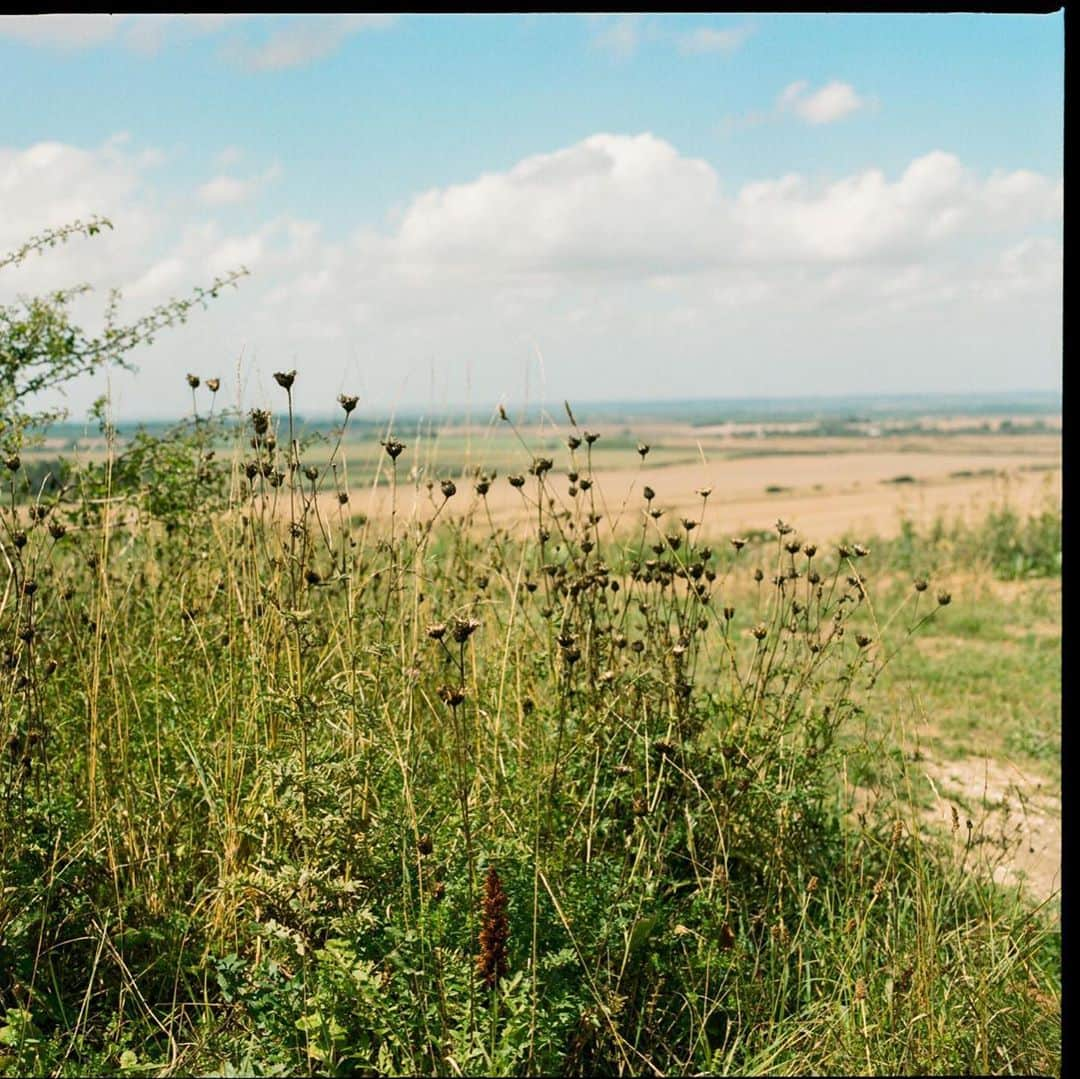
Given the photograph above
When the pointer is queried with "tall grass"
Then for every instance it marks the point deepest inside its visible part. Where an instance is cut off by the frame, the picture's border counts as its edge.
(287, 792)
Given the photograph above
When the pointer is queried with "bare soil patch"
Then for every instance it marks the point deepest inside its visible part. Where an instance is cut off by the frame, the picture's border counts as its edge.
(1015, 820)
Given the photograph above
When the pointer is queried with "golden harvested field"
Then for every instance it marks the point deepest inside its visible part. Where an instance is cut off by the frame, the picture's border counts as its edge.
(824, 486)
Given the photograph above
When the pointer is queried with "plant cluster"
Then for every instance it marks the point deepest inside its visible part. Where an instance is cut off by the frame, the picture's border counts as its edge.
(288, 790)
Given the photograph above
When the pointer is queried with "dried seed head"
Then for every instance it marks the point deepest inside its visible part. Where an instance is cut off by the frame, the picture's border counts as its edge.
(312, 473)
(12, 463)
(492, 963)
(921, 584)
(436, 631)
(516, 481)
(448, 488)
(424, 845)
(285, 379)
(648, 492)
(862, 640)
(738, 542)
(464, 628)
(590, 438)
(944, 598)
(260, 420)
(759, 632)
(348, 402)
(689, 525)
(393, 447)
(452, 695)
(213, 384)
(783, 528)
(860, 550)
(502, 414)
(729, 613)
(758, 575)
(57, 530)
(843, 551)
(193, 381)
(573, 442)
(809, 549)
(643, 449)
(540, 465)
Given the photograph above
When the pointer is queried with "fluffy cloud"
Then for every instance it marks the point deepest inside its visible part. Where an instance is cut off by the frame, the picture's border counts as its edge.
(303, 40)
(229, 190)
(255, 44)
(626, 263)
(706, 39)
(620, 36)
(633, 205)
(832, 102)
(61, 31)
(607, 204)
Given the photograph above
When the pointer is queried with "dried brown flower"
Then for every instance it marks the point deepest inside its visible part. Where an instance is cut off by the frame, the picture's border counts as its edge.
(492, 962)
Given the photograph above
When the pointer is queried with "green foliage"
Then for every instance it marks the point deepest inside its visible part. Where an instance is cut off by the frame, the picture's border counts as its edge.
(1011, 545)
(42, 349)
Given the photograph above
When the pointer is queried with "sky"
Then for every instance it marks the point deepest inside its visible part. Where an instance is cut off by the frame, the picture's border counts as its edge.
(448, 210)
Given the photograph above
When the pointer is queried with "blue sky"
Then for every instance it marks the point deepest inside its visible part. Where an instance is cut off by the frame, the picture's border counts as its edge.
(632, 206)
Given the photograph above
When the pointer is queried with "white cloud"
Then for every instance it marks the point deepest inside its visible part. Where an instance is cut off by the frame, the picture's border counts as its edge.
(61, 31)
(303, 40)
(229, 157)
(224, 190)
(228, 190)
(610, 203)
(625, 260)
(292, 41)
(621, 36)
(832, 102)
(707, 39)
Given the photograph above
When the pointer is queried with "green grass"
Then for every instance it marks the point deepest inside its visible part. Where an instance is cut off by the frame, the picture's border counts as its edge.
(276, 784)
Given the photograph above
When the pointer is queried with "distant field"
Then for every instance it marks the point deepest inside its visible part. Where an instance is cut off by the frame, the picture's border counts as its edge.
(827, 486)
